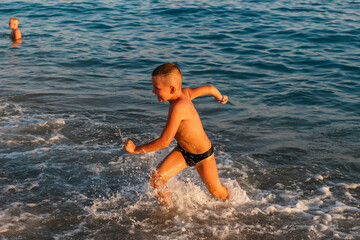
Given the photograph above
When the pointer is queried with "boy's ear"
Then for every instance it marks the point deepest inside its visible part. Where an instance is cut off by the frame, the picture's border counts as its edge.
(172, 89)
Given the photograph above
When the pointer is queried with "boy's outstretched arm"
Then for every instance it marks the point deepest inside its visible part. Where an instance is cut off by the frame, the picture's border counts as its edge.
(205, 90)
(167, 135)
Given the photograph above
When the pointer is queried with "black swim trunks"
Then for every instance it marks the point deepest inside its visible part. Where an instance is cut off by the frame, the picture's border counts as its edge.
(191, 159)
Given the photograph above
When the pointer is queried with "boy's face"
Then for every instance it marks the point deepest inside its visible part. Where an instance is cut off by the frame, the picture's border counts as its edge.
(13, 24)
(161, 90)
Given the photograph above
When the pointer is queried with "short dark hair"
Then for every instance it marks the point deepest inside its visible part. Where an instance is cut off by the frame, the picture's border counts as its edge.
(165, 69)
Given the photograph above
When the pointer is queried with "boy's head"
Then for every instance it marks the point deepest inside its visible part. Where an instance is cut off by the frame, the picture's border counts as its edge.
(166, 80)
(14, 23)
(169, 73)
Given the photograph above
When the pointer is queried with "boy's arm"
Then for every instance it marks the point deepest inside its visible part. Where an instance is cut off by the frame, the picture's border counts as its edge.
(164, 140)
(204, 90)
(17, 34)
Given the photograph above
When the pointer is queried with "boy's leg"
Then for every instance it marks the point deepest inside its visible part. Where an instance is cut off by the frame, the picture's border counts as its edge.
(170, 166)
(208, 172)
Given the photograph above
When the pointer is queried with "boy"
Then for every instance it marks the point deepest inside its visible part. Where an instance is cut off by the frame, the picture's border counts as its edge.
(194, 147)
(15, 33)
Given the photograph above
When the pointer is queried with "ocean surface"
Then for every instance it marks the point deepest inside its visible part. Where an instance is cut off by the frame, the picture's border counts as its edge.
(287, 144)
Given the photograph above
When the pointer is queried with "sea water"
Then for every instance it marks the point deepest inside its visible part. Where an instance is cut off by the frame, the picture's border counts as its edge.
(287, 144)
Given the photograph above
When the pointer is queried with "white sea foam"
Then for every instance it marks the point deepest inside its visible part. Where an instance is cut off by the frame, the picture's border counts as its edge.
(56, 138)
(7, 109)
(20, 187)
(96, 168)
(135, 206)
(23, 129)
(320, 208)
(10, 222)
(350, 186)
(103, 207)
(316, 177)
(237, 195)
(193, 203)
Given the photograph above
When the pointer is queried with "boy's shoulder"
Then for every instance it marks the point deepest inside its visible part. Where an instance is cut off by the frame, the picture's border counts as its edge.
(13, 31)
(181, 103)
(186, 92)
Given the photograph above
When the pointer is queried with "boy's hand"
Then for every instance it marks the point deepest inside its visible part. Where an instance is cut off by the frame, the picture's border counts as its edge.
(223, 100)
(129, 146)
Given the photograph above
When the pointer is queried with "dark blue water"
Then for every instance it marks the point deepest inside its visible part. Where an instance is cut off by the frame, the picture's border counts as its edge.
(79, 83)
